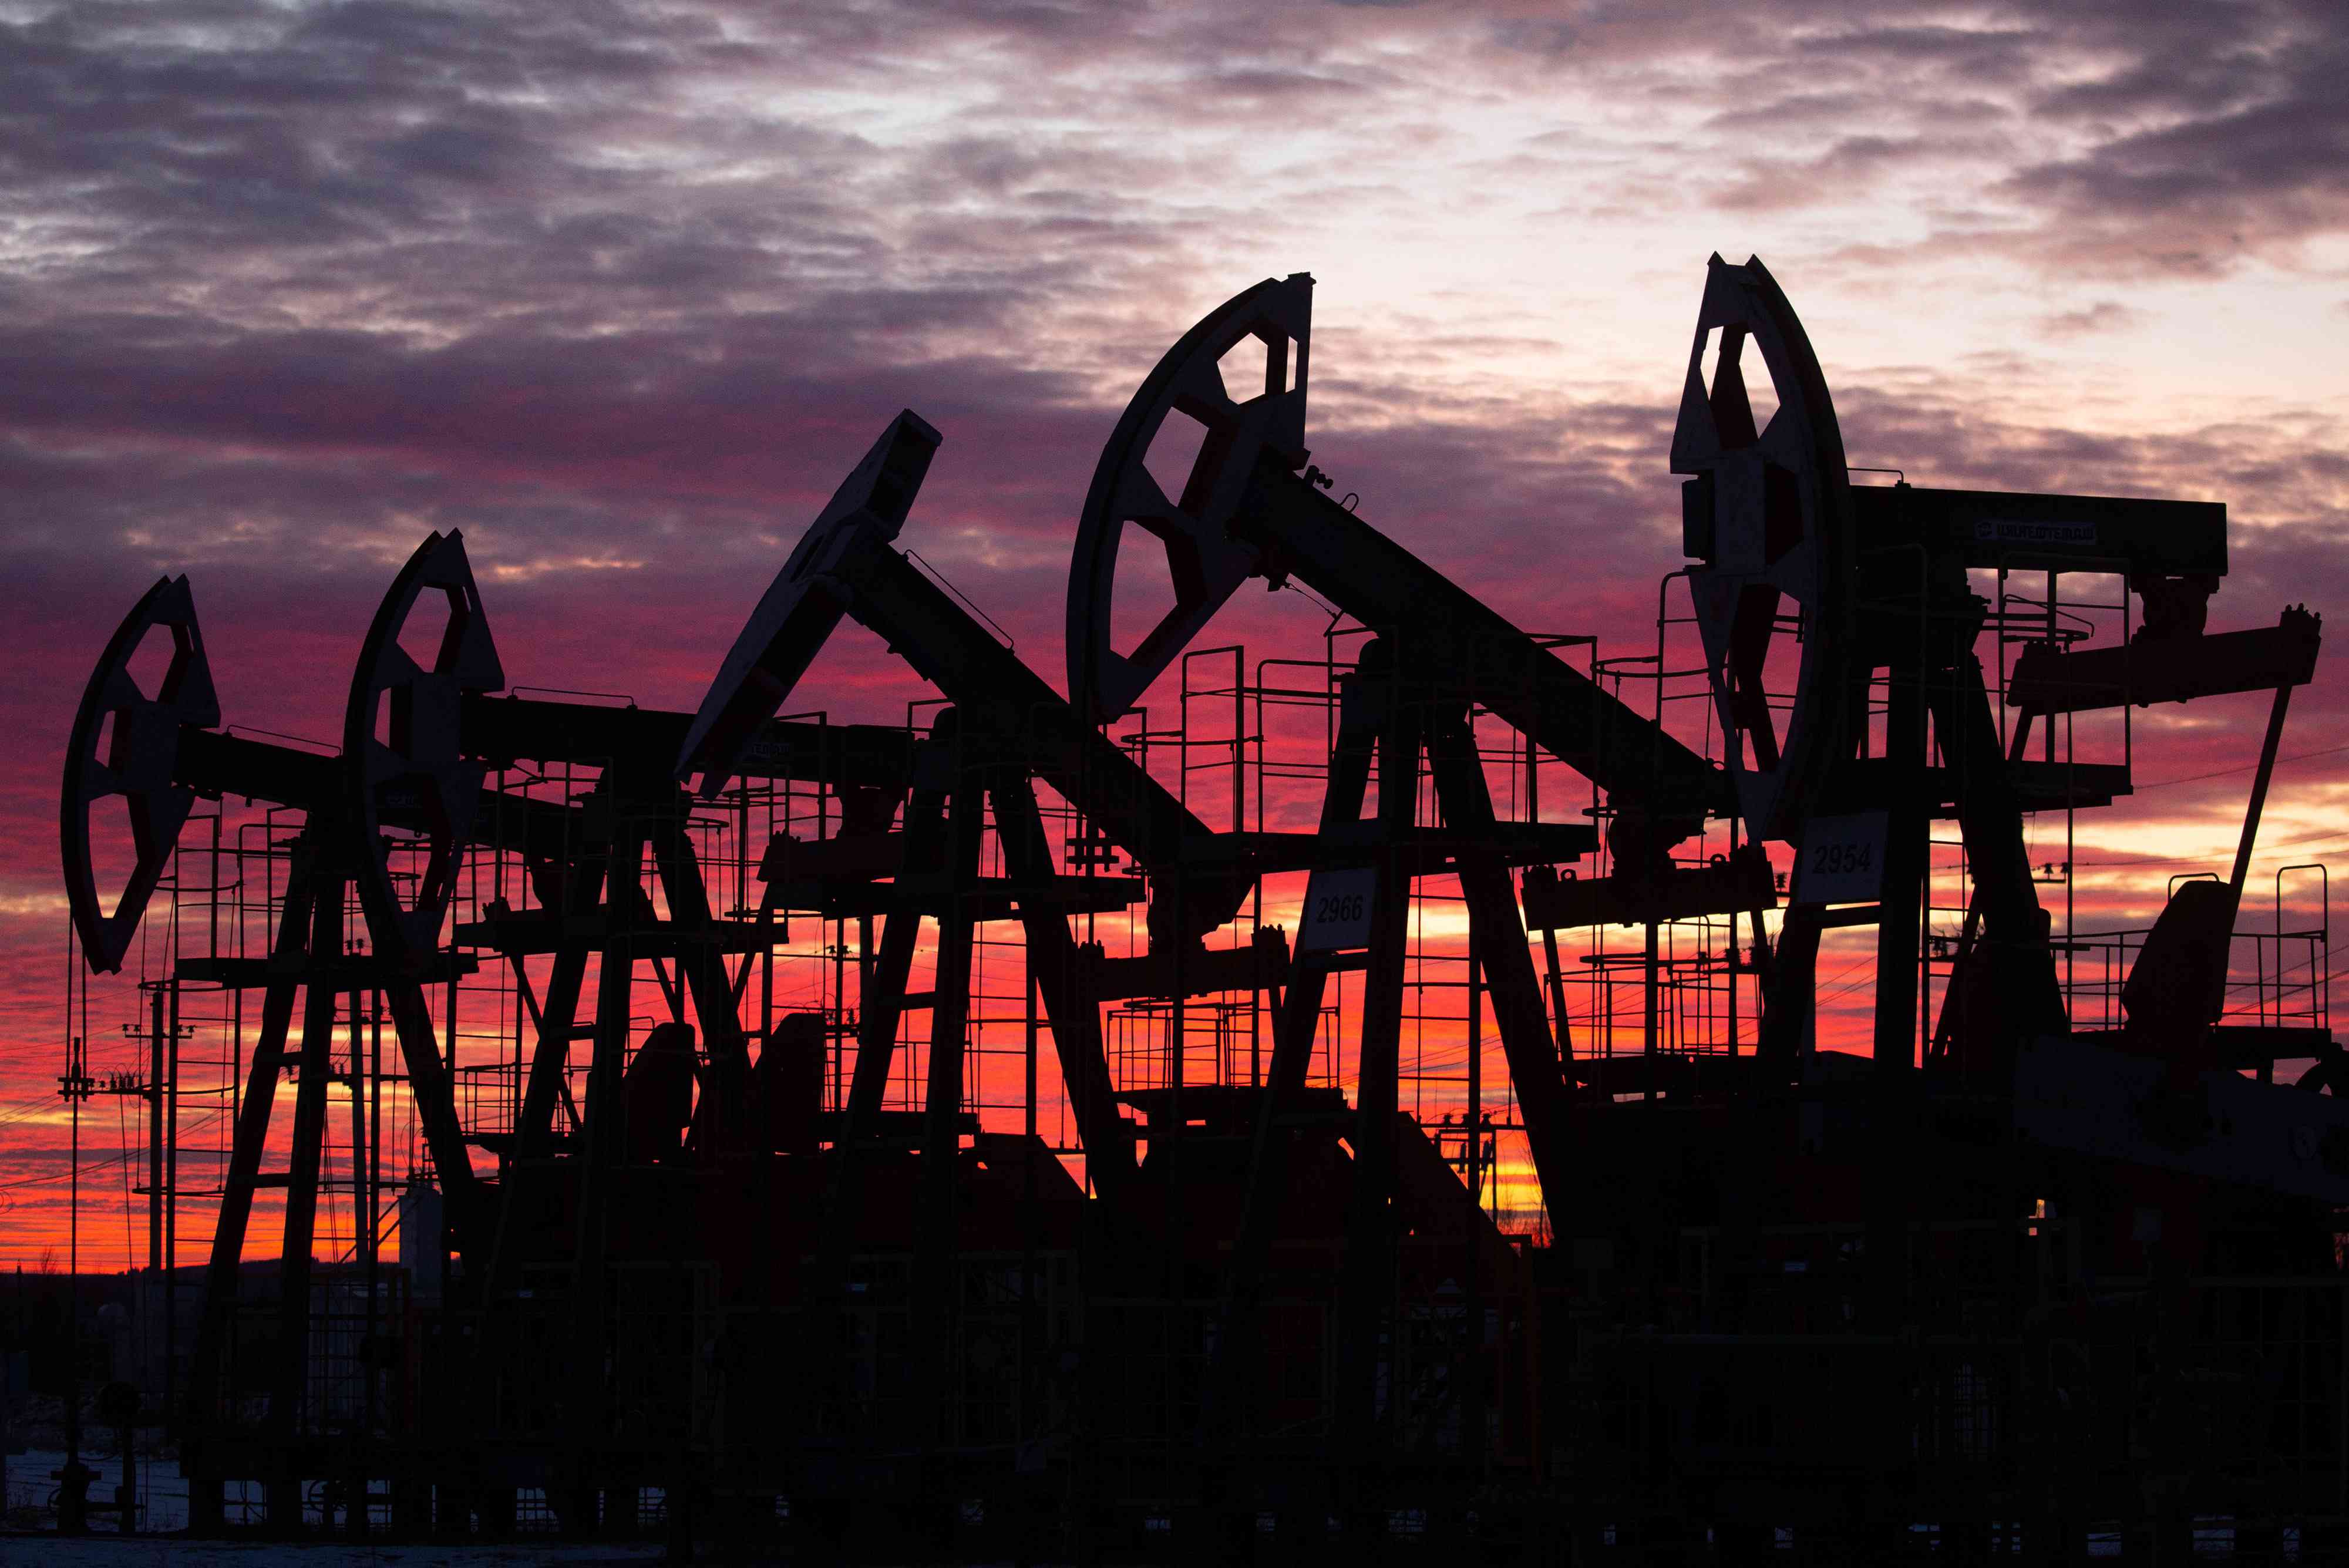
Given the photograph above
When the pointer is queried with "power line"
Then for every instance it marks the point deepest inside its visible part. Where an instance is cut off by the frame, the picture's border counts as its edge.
(2245, 768)
(37, 1180)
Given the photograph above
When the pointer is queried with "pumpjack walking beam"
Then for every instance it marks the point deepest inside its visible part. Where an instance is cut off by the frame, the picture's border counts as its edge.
(1246, 509)
(844, 567)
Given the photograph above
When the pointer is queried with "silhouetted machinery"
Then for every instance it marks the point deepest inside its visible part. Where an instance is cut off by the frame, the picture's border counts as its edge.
(784, 1255)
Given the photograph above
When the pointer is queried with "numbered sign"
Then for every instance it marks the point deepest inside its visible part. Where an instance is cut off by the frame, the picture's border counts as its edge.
(1338, 910)
(1841, 860)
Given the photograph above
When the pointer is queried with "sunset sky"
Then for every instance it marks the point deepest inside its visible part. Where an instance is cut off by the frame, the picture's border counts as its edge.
(622, 291)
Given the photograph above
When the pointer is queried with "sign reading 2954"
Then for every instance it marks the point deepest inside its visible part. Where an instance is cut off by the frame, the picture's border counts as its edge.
(1337, 914)
(1842, 859)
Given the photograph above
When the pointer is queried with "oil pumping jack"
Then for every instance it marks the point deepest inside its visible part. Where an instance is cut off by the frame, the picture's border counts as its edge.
(159, 754)
(1250, 506)
(1006, 731)
(1863, 591)
(685, 1098)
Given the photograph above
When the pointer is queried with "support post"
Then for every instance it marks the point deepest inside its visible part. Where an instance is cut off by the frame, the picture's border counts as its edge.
(1074, 1015)
(1496, 936)
(1367, 1280)
(937, 1216)
(1908, 822)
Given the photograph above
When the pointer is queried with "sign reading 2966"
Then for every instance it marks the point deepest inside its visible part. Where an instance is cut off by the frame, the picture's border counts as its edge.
(1338, 905)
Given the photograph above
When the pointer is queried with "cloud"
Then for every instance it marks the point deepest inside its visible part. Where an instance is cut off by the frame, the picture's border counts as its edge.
(2100, 138)
(1851, 167)
(2103, 316)
(2209, 184)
